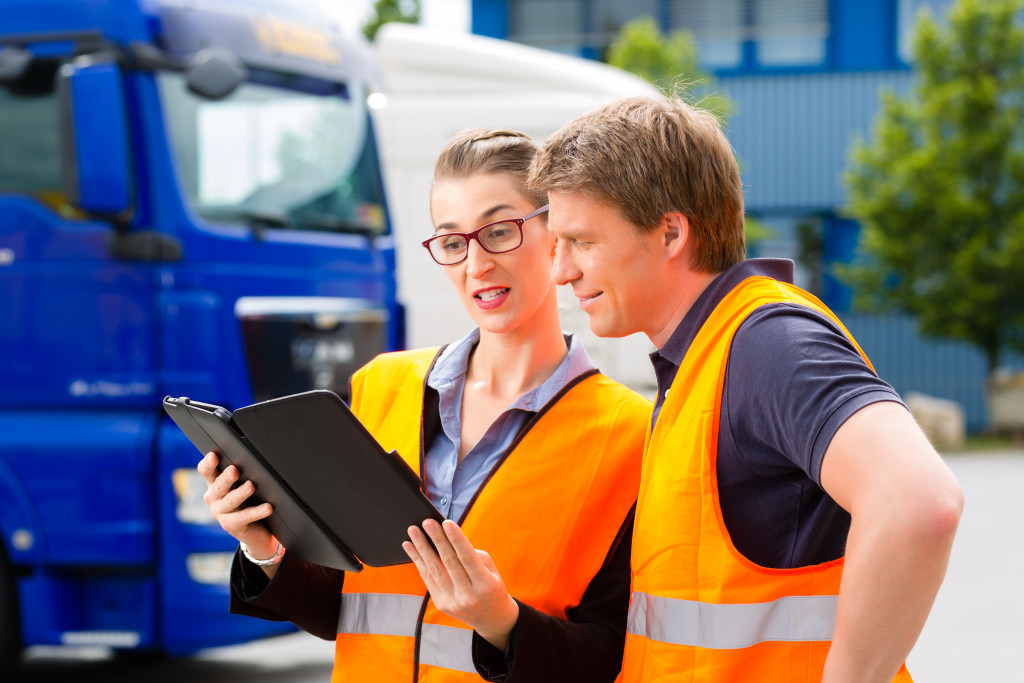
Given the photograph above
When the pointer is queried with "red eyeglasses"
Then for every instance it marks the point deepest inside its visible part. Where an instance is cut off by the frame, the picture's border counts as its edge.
(498, 237)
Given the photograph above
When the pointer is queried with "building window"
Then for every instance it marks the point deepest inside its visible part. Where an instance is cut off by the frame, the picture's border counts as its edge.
(789, 32)
(551, 24)
(782, 32)
(729, 33)
(716, 25)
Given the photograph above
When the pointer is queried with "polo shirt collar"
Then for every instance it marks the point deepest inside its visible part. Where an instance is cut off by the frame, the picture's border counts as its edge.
(679, 343)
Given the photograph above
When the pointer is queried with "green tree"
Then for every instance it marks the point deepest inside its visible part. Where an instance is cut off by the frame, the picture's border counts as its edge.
(672, 64)
(939, 191)
(384, 11)
(669, 62)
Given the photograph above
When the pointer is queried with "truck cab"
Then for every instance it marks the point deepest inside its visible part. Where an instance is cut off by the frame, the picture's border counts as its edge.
(191, 204)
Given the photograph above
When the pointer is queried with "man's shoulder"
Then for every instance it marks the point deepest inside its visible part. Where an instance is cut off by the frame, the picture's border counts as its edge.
(783, 329)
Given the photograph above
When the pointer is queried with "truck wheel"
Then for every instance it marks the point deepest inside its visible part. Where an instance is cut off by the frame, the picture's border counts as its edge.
(10, 626)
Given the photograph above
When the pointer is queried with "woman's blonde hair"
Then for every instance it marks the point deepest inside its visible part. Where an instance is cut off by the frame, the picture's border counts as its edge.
(490, 151)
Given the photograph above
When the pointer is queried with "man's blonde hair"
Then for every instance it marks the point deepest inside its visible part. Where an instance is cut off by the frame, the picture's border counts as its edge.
(490, 151)
(648, 157)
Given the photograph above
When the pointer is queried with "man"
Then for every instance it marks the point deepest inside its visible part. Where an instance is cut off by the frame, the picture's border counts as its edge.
(794, 523)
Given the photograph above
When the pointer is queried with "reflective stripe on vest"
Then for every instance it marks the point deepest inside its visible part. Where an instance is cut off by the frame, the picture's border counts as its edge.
(729, 627)
(388, 614)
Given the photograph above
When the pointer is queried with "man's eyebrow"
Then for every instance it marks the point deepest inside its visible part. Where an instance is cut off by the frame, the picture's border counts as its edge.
(572, 234)
(487, 215)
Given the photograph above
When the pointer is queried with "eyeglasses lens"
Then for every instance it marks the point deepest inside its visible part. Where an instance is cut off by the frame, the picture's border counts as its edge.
(500, 237)
(449, 249)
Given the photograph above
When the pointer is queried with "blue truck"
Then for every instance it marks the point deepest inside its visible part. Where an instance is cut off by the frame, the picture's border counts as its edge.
(191, 204)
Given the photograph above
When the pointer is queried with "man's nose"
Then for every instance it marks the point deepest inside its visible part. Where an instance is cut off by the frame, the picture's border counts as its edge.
(564, 269)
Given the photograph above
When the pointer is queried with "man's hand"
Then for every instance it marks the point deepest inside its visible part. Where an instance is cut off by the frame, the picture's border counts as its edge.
(463, 581)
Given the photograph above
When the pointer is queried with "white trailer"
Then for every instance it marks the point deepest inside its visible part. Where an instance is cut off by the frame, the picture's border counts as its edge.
(437, 83)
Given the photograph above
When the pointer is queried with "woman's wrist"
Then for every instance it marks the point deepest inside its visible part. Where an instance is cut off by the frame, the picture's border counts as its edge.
(497, 632)
(264, 560)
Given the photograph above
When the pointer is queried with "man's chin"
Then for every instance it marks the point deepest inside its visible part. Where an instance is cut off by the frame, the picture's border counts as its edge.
(606, 329)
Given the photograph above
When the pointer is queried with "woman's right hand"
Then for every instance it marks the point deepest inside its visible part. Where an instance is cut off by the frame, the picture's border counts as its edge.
(244, 523)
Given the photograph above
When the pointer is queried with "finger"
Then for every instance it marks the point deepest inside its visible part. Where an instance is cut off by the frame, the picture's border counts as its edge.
(447, 553)
(208, 467)
(240, 519)
(410, 547)
(465, 551)
(245, 524)
(236, 497)
(431, 569)
(417, 560)
(221, 485)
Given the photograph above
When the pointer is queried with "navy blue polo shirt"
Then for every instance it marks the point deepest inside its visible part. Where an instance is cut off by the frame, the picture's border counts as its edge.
(791, 381)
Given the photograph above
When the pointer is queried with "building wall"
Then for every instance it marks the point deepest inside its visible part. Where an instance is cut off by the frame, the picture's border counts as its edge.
(804, 78)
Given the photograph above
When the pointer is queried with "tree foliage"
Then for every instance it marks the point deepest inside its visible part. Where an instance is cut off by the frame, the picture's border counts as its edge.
(939, 191)
(670, 62)
(384, 11)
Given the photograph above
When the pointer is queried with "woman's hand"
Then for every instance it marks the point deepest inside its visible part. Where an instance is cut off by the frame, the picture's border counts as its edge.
(244, 523)
(463, 581)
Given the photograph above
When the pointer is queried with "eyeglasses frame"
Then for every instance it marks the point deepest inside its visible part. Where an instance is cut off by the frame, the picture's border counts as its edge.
(475, 235)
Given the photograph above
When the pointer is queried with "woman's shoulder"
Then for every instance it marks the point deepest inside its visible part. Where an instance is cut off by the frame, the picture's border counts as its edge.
(403, 359)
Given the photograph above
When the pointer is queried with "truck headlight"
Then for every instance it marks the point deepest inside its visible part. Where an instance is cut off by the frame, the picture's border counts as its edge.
(211, 568)
(189, 487)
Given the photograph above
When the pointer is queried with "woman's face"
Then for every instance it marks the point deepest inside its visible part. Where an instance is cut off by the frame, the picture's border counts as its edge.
(501, 292)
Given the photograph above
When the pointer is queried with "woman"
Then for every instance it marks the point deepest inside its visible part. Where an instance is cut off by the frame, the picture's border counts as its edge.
(520, 440)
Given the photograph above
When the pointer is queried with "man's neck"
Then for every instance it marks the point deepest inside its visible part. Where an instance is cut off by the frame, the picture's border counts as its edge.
(686, 290)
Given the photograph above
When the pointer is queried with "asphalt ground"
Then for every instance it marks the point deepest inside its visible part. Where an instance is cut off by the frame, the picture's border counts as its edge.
(975, 633)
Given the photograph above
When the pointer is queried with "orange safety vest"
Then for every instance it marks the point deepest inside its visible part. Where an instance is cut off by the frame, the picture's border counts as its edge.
(700, 610)
(548, 515)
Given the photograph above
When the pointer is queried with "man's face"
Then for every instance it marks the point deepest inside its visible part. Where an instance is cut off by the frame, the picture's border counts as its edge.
(613, 268)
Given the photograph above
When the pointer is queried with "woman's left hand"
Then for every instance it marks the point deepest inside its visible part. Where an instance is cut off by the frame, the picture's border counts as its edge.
(463, 581)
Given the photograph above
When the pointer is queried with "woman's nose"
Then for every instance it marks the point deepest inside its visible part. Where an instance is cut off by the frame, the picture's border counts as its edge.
(478, 259)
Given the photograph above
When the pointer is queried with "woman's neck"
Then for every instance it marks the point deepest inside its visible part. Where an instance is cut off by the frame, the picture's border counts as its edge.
(509, 364)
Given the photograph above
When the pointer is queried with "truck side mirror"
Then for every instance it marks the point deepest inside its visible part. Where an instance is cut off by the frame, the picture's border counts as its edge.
(215, 72)
(94, 137)
(14, 62)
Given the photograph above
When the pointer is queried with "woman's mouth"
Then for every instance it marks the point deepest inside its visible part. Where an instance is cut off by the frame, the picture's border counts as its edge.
(487, 299)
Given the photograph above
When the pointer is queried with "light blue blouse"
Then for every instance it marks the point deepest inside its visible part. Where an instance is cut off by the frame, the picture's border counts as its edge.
(451, 484)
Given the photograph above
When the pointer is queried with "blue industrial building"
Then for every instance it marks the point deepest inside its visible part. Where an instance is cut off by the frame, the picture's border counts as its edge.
(804, 78)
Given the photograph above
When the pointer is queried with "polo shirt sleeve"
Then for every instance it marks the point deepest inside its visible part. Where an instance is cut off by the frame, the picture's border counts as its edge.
(792, 380)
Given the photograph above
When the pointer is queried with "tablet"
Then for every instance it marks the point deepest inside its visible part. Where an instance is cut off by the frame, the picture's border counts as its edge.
(340, 500)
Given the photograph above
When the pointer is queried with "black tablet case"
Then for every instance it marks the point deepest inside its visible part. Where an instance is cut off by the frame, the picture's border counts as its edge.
(340, 500)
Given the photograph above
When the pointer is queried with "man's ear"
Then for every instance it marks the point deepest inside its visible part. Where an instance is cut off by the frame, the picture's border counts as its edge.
(675, 229)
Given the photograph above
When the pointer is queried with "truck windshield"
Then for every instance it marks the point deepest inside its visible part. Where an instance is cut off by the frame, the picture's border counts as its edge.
(275, 157)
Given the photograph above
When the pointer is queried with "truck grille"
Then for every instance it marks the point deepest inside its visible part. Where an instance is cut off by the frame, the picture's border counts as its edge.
(295, 344)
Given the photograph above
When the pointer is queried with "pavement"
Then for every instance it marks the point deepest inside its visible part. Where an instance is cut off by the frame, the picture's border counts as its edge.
(975, 633)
